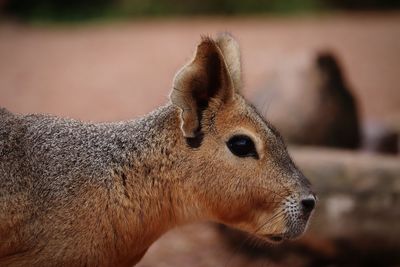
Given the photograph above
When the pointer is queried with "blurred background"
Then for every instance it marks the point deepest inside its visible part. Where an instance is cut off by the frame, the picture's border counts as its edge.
(325, 73)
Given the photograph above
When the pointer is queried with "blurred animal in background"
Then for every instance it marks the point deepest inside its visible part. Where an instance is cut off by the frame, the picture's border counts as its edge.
(309, 101)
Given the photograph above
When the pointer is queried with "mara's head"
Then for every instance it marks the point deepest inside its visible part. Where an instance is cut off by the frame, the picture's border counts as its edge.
(240, 171)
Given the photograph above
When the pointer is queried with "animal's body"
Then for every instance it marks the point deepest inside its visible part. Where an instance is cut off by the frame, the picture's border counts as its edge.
(85, 194)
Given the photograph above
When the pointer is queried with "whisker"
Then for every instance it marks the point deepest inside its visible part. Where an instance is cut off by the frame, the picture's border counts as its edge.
(266, 106)
(275, 216)
(249, 237)
(266, 102)
(270, 190)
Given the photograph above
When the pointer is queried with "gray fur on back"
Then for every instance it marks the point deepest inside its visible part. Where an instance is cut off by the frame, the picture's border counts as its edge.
(60, 155)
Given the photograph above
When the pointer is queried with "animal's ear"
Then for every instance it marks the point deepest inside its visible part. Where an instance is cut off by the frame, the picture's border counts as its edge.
(329, 66)
(231, 52)
(204, 78)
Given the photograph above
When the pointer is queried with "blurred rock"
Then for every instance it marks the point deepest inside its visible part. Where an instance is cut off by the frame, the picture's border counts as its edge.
(357, 220)
(309, 101)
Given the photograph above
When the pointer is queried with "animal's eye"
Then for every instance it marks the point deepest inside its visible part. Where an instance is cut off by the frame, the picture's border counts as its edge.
(242, 146)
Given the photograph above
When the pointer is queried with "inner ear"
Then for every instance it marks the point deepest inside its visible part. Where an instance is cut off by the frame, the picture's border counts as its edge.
(206, 77)
(206, 87)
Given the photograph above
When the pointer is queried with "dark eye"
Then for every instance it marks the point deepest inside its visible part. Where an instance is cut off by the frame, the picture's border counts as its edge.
(242, 146)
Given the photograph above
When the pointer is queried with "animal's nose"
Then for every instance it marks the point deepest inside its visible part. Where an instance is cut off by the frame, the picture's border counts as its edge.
(308, 203)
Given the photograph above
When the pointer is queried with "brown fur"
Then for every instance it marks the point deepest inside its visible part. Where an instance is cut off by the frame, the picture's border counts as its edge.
(82, 194)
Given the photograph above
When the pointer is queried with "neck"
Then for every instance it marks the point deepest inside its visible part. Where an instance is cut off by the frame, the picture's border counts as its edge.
(152, 190)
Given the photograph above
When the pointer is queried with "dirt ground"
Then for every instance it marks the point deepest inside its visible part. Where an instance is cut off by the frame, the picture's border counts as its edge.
(122, 70)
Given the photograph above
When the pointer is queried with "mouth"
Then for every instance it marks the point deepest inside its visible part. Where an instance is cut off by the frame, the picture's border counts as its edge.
(281, 237)
(276, 238)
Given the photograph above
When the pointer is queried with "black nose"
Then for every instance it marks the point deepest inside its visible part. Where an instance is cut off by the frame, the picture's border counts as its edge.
(308, 203)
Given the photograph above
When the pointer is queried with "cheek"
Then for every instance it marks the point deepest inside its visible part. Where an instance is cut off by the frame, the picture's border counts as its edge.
(272, 223)
(234, 212)
(230, 199)
(235, 192)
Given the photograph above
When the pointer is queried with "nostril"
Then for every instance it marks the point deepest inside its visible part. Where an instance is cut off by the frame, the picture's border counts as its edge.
(308, 204)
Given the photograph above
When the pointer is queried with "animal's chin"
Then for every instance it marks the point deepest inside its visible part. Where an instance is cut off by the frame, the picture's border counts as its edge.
(275, 238)
(279, 238)
(293, 230)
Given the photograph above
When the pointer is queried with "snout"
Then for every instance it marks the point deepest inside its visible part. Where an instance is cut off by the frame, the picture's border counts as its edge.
(308, 203)
(298, 211)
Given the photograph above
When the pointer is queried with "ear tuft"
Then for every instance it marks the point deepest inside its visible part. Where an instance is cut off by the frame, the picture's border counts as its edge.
(204, 78)
(231, 52)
